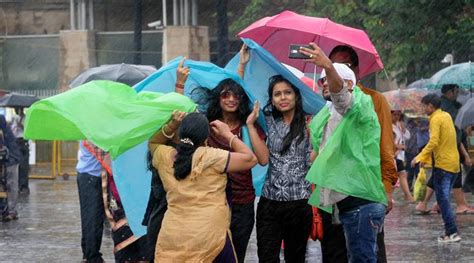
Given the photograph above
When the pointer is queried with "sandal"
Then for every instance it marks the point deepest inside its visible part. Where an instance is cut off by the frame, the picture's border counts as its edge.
(435, 209)
(422, 212)
(465, 212)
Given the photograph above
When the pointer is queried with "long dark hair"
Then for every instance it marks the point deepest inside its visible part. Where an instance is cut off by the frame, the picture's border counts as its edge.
(298, 124)
(193, 132)
(214, 110)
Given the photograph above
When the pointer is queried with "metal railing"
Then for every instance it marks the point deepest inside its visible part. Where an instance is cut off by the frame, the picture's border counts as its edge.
(40, 93)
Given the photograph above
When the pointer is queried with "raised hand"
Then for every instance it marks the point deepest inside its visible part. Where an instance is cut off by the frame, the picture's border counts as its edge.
(244, 54)
(253, 116)
(176, 119)
(316, 56)
(182, 73)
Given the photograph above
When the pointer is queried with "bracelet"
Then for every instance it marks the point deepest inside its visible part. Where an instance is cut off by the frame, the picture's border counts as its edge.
(164, 133)
(179, 86)
(231, 140)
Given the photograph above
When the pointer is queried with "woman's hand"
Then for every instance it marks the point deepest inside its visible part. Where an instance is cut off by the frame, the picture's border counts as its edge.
(253, 116)
(244, 54)
(244, 58)
(182, 73)
(221, 129)
(176, 119)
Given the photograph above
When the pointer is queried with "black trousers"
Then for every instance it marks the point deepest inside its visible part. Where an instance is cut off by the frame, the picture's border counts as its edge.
(92, 215)
(24, 166)
(241, 226)
(333, 245)
(154, 226)
(289, 221)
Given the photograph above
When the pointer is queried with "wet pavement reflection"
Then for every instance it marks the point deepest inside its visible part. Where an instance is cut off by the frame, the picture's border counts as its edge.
(48, 230)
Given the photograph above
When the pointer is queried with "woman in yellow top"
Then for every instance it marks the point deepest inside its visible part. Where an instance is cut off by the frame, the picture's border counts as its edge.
(196, 225)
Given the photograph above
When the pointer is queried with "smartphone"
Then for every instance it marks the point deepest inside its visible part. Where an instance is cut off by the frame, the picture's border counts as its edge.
(295, 51)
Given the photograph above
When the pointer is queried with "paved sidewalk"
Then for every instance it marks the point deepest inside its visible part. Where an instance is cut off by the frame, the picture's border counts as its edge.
(49, 231)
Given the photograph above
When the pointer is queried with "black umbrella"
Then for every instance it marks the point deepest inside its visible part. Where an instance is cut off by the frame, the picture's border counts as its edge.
(124, 73)
(17, 100)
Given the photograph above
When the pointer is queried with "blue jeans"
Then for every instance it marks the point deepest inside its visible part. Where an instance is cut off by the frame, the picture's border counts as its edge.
(361, 226)
(443, 182)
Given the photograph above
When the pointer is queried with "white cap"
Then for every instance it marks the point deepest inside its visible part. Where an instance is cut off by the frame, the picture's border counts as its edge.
(343, 71)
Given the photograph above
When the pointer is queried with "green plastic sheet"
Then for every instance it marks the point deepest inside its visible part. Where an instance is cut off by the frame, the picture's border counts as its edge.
(110, 114)
(350, 160)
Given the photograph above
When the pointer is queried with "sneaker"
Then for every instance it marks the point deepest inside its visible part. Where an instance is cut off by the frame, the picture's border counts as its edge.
(10, 216)
(449, 239)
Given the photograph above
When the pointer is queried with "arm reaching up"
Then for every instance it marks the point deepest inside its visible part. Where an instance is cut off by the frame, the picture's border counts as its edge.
(259, 146)
(181, 76)
(244, 59)
(167, 131)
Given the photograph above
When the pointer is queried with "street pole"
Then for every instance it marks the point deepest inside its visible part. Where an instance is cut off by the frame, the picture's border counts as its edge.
(222, 32)
(137, 32)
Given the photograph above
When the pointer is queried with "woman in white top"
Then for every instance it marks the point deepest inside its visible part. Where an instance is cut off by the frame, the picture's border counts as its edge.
(401, 135)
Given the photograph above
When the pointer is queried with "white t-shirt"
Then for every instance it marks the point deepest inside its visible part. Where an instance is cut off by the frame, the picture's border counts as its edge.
(400, 138)
(17, 126)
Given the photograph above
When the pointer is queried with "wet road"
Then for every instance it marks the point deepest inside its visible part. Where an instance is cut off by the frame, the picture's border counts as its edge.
(49, 231)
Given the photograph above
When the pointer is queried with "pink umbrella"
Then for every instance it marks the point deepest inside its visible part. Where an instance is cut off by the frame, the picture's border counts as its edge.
(276, 33)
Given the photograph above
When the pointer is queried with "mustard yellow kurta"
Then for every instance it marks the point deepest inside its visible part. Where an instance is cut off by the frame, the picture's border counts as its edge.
(195, 225)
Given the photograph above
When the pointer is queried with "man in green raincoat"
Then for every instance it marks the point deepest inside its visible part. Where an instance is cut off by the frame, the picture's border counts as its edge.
(347, 174)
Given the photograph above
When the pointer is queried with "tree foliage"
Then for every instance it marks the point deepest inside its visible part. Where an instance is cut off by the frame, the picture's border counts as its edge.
(411, 36)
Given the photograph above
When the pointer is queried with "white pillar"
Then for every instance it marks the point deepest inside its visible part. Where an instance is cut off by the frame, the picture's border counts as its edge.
(83, 14)
(175, 13)
(164, 13)
(79, 15)
(194, 11)
(181, 12)
(91, 14)
(186, 12)
(72, 16)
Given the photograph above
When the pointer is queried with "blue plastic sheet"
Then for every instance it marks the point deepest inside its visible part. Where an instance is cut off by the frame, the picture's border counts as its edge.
(130, 171)
(262, 66)
(132, 178)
